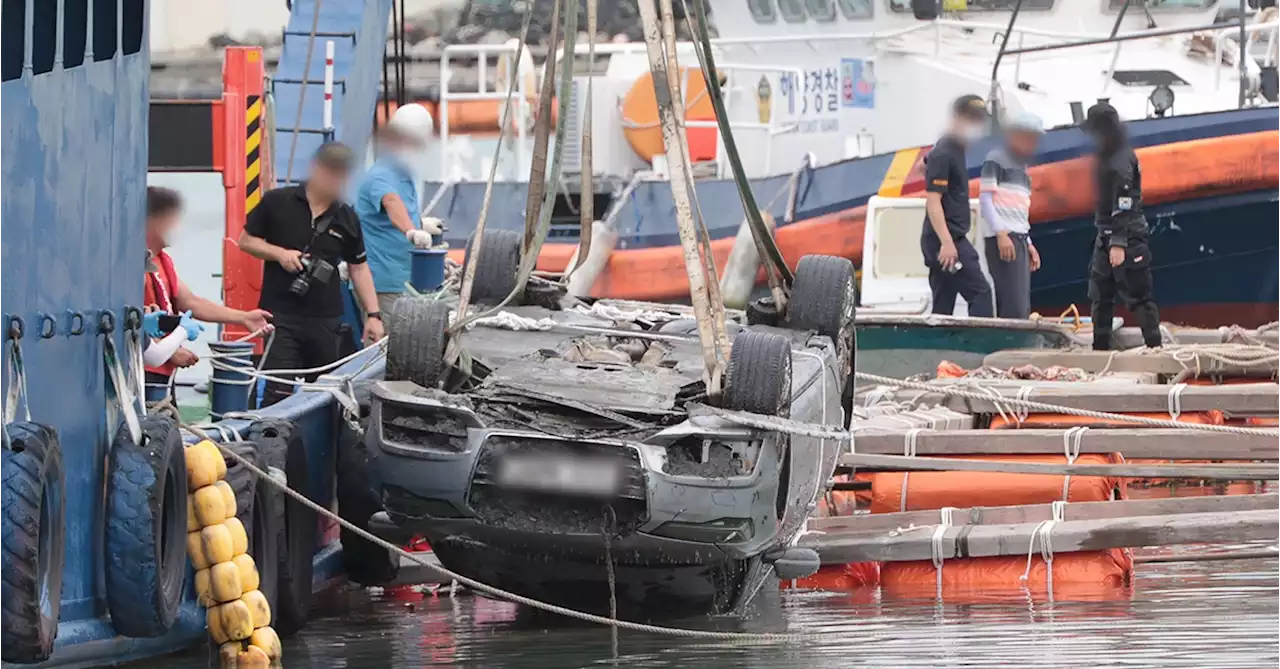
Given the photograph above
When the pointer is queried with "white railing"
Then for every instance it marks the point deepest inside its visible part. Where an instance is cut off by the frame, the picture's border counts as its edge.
(483, 52)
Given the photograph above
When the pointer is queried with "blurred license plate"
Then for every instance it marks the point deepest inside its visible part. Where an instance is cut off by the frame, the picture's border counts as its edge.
(558, 474)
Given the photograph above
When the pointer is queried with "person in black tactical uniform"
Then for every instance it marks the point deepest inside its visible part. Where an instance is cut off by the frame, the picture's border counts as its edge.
(1121, 262)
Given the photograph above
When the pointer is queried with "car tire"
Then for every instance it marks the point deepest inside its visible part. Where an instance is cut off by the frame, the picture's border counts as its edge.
(34, 495)
(260, 508)
(496, 267)
(824, 299)
(417, 339)
(358, 499)
(759, 378)
(282, 447)
(146, 516)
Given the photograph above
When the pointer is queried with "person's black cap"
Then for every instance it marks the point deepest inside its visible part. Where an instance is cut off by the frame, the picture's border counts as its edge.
(970, 106)
(1101, 117)
(335, 156)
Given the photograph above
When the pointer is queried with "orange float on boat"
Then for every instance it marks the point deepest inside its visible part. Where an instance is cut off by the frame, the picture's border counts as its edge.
(640, 117)
(1059, 420)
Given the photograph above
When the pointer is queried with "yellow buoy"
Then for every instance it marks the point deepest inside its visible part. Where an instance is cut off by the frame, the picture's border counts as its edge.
(195, 549)
(209, 505)
(239, 538)
(267, 639)
(228, 498)
(216, 541)
(204, 591)
(258, 608)
(236, 620)
(202, 468)
(219, 464)
(248, 572)
(253, 657)
(224, 582)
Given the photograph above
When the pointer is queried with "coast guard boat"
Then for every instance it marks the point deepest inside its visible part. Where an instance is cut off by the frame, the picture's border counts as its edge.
(835, 102)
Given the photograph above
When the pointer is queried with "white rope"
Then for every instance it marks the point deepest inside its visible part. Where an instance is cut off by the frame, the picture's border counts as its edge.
(1051, 408)
(1022, 413)
(17, 390)
(909, 441)
(1175, 400)
(1071, 449)
(935, 543)
(1044, 532)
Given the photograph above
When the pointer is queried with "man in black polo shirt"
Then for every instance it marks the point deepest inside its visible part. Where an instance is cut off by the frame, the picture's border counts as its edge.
(954, 266)
(302, 232)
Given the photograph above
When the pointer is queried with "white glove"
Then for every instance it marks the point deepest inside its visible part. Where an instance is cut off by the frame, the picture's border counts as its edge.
(433, 225)
(419, 238)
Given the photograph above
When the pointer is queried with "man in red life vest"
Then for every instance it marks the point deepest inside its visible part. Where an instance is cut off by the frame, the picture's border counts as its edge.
(164, 292)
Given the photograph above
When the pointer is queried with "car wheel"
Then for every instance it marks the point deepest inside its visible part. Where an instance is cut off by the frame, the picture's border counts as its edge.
(760, 374)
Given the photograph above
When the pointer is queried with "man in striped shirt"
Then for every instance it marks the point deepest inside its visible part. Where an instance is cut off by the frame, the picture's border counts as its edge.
(1005, 201)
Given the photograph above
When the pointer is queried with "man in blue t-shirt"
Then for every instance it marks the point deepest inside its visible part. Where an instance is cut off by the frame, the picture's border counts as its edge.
(387, 203)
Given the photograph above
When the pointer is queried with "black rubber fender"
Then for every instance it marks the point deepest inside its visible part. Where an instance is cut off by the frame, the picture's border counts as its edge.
(146, 528)
(496, 267)
(261, 511)
(759, 379)
(359, 498)
(416, 341)
(34, 535)
(281, 446)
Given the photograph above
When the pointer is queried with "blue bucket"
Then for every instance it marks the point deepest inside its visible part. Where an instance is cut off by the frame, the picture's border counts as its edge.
(426, 269)
(229, 390)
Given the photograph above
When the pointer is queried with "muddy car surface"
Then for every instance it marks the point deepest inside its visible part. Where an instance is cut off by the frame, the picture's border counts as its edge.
(567, 452)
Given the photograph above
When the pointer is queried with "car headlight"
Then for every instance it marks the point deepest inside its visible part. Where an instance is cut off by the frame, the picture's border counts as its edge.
(711, 457)
(719, 531)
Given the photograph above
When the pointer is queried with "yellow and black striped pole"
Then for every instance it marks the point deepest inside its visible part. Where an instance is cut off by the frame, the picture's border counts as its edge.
(252, 153)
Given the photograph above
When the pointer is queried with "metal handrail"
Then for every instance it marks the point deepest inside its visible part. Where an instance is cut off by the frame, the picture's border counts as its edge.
(1116, 38)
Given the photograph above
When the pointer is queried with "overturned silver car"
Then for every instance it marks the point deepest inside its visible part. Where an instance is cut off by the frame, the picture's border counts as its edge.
(575, 454)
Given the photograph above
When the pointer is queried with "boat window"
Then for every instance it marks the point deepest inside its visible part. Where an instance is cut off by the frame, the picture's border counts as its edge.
(897, 240)
(977, 5)
(856, 10)
(75, 30)
(1158, 5)
(762, 11)
(823, 11)
(104, 29)
(132, 18)
(792, 10)
(1148, 78)
(44, 36)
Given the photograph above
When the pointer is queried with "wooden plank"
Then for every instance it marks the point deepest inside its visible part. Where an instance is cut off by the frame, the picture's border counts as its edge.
(1065, 536)
(1134, 360)
(1249, 472)
(1033, 513)
(1174, 444)
(1250, 399)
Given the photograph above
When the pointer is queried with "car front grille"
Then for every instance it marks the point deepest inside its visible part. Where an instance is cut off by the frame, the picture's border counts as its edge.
(553, 512)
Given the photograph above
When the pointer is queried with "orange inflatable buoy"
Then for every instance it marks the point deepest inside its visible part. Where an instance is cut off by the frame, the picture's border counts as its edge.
(934, 490)
(1062, 420)
(838, 577)
(640, 117)
(986, 576)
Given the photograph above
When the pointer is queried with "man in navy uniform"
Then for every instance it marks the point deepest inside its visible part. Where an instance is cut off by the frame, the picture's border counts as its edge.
(954, 266)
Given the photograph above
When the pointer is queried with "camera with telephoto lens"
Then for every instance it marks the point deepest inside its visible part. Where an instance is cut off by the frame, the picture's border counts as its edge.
(315, 271)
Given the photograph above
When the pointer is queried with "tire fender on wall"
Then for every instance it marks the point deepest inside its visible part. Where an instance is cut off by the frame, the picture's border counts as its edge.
(146, 515)
(34, 494)
(281, 446)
